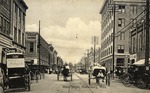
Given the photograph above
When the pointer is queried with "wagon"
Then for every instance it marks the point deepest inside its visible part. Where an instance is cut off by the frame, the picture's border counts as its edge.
(64, 72)
(17, 75)
(139, 76)
(93, 72)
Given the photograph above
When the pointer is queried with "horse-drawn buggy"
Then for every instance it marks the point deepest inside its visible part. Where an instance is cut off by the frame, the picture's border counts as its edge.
(137, 75)
(16, 74)
(64, 72)
(96, 72)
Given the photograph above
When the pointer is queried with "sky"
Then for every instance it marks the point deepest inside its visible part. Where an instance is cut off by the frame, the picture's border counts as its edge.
(68, 25)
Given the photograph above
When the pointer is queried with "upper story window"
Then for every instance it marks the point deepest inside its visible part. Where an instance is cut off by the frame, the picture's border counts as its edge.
(20, 13)
(31, 47)
(5, 4)
(15, 34)
(4, 25)
(16, 11)
(121, 8)
(19, 36)
(23, 38)
(121, 22)
(133, 45)
(120, 49)
(23, 19)
(1, 22)
(122, 36)
(133, 9)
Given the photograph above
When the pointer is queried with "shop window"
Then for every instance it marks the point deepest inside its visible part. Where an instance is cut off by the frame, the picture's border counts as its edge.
(120, 62)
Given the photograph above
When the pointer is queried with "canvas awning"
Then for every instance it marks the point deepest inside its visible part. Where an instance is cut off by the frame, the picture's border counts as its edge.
(140, 62)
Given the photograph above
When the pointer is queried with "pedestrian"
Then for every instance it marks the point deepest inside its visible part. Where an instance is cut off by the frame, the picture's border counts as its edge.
(1, 81)
(108, 78)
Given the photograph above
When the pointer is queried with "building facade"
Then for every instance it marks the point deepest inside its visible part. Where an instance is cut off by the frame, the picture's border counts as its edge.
(5, 22)
(51, 56)
(59, 62)
(18, 13)
(138, 39)
(54, 63)
(114, 20)
(12, 15)
(39, 60)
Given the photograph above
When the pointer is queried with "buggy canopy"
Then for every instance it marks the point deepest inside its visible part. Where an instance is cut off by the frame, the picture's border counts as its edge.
(140, 62)
(99, 67)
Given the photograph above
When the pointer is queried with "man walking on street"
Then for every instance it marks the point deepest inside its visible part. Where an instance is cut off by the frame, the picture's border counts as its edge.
(108, 78)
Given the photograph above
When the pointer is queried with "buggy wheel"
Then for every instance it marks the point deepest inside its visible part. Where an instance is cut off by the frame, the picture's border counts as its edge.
(28, 86)
(27, 83)
(71, 77)
(141, 84)
(126, 79)
(89, 79)
(57, 76)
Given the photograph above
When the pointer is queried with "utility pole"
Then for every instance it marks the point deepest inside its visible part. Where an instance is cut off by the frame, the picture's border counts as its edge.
(95, 41)
(114, 10)
(39, 44)
(94, 47)
(147, 37)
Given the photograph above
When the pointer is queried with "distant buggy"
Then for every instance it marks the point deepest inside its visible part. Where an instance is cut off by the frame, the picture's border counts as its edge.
(64, 72)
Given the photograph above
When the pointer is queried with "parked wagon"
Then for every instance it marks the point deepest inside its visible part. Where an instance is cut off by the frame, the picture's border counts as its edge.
(64, 72)
(139, 76)
(17, 75)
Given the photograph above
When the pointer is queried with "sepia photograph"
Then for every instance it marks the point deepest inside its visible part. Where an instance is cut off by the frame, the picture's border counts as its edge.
(74, 46)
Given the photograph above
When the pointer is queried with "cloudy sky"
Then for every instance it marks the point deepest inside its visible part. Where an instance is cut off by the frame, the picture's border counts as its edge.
(67, 24)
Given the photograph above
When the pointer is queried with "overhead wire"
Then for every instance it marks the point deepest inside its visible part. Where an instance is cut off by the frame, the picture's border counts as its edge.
(122, 30)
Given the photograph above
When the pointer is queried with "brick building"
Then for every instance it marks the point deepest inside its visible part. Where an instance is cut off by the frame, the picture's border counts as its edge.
(5, 31)
(138, 39)
(12, 26)
(125, 11)
(18, 13)
(32, 51)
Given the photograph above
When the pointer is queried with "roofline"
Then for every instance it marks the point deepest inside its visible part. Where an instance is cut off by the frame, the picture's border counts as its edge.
(104, 3)
(31, 32)
(24, 4)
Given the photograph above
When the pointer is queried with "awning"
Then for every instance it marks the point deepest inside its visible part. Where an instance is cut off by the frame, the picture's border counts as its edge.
(140, 62)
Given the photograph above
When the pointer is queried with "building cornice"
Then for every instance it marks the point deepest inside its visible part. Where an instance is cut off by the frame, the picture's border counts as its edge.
(102, 8)
(24, 4)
